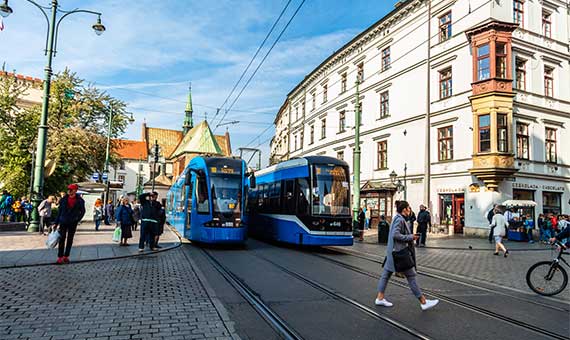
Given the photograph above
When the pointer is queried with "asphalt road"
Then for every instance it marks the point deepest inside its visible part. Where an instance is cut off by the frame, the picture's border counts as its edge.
(317, 293)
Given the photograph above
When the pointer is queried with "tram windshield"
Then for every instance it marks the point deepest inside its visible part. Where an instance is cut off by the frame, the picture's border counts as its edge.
(330, 194)
(226, 193)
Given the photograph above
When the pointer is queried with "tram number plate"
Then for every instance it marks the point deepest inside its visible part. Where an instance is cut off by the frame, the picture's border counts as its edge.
(335, 224)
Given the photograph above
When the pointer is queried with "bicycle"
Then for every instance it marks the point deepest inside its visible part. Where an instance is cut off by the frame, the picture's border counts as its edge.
(549, 278)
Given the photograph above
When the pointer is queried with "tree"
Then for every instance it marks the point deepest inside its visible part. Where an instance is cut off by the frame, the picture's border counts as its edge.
(77, 135)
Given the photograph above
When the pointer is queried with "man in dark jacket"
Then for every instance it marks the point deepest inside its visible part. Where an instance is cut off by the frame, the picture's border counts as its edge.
(70, 212)
(490, 215)
(151, 216)
(424, 220)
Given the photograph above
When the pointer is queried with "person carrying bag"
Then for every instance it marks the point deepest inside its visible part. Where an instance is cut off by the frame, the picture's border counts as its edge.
(400, 258)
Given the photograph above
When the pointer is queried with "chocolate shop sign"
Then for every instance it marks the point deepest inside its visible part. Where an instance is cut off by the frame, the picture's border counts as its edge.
(536, 186)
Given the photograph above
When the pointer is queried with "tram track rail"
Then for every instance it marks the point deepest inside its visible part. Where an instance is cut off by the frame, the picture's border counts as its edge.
(438, 276)
(451, 300)
(271, 317)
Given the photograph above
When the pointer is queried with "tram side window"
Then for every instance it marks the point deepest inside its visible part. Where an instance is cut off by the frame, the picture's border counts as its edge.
(181, 199)
(303, 196)
(252, 200)
(276, 198)
(203, 203)
(190, 192)
(289, 203)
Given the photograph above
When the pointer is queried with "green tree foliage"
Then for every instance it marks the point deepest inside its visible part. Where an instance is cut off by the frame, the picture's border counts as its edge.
(77, 135)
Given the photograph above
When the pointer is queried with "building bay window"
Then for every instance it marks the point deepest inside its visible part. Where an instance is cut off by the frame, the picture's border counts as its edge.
(484, 133)
(500, 60)
(502, 133)
(483, 64)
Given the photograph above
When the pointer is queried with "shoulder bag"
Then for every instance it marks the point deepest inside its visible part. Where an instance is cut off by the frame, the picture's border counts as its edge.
(403, 259)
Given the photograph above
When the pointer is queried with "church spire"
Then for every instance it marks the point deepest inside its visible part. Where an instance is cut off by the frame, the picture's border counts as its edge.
(188, 123)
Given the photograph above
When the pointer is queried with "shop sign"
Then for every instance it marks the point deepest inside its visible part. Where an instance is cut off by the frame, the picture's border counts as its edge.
(518, 185)
(450, 190)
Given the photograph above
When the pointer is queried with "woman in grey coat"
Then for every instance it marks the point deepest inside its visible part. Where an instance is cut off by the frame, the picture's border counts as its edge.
(400, 237)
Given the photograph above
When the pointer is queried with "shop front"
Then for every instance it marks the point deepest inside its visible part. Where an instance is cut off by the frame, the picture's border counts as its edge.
(549, 197)
(452, 208)
(378, 198)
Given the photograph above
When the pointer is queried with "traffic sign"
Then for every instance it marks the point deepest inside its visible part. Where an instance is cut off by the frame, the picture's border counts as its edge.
(95, 176)
(105, 176)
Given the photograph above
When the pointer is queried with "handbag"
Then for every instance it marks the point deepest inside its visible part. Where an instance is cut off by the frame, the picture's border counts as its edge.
(403, 259)
(53, 239)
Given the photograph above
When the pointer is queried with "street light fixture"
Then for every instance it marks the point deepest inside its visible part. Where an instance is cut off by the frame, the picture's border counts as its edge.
(5, 10)
(50, 14)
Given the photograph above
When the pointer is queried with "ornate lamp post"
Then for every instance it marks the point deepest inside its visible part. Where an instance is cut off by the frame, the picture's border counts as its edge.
(399, 185)
(50, 51)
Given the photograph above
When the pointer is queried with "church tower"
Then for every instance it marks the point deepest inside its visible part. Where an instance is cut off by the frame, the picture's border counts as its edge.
(188, 123)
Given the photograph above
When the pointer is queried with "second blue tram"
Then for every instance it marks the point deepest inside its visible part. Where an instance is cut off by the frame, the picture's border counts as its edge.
(205, 203)
(302, 201)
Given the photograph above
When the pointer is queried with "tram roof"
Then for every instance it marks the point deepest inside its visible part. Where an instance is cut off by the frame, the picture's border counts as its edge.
(301, 161)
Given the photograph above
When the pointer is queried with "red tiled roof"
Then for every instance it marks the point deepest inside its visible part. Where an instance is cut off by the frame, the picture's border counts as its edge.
(21, 77)
(130, 149)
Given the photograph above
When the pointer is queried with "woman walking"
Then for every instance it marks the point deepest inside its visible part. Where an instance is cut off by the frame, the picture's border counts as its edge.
(500, 226)
(44, 210)
(98, 213)
(399, 254)
(124, 217)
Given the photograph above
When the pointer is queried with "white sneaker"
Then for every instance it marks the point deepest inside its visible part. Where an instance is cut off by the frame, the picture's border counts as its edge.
(429, 304)
(383, 302)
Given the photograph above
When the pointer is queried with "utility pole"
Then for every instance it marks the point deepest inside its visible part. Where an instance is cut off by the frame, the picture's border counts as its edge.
(427, 170)
(356, 158)
(154, 165)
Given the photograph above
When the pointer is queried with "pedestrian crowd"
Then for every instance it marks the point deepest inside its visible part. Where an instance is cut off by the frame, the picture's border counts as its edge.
(14, 209)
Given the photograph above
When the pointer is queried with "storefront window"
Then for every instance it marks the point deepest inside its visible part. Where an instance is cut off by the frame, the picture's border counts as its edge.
(526, 195)
(551, 202)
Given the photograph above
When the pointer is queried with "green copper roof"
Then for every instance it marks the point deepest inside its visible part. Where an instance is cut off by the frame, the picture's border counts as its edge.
(198, 140)
(189, 101)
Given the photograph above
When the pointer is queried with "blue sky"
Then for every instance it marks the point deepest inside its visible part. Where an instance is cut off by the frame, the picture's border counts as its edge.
(153, 49)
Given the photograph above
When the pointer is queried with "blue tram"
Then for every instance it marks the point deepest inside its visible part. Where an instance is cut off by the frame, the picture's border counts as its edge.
(301, 201)
(205, 203)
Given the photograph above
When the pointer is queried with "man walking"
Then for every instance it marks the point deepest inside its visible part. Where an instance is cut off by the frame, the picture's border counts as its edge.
(70, 212)
(490, 215)
(151, 212)
(424, 220)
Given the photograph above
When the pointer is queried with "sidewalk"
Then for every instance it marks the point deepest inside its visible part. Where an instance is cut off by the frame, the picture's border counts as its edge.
(20, 248)
(460, 242)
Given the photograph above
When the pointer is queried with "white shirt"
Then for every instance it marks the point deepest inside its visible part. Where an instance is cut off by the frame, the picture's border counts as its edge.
(500, 223)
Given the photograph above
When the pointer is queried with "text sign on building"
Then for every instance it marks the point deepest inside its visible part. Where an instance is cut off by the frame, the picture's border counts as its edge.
(450, 190)
(545, 187)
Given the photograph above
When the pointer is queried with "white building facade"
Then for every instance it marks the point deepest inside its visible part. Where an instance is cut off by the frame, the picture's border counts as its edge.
(488, 94)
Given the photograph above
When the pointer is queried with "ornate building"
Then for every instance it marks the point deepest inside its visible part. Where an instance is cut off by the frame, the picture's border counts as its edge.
(467, 103)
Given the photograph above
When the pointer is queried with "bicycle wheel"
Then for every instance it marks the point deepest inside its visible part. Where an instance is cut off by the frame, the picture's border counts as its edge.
(546, 278)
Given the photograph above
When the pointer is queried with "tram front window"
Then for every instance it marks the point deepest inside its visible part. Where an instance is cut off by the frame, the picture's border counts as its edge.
(226, 194)
(330, 194)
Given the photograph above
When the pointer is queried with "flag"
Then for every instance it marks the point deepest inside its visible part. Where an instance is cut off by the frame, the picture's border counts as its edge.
(1, 24)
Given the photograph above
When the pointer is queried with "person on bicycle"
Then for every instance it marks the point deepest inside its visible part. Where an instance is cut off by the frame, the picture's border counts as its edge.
(563, 234)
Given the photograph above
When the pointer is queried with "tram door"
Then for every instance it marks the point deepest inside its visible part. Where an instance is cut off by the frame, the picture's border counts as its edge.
(190, 194)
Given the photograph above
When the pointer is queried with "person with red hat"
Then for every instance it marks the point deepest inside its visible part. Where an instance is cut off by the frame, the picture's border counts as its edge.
(70, 212)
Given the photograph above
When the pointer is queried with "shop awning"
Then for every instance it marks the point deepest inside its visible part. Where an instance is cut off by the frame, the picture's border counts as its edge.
(378, 186)
(519, 203)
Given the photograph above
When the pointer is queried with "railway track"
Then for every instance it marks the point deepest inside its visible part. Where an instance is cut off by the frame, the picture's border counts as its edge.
(285, 330)
(454, 301)
(438, 276)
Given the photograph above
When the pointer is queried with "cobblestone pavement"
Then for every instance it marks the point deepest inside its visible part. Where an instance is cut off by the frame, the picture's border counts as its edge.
(23, 248)
(479, 265)
(158, 296)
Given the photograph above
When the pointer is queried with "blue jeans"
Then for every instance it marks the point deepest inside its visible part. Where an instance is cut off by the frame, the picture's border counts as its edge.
(97, 224)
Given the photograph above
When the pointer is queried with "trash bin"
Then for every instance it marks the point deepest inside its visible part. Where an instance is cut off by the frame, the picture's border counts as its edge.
(383, 231)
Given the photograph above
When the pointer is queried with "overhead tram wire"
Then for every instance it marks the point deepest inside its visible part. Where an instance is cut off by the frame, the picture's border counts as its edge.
(252, 59)
(393, 61)
(262, 61)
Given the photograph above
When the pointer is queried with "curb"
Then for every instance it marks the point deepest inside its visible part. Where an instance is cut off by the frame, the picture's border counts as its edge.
(145, 253)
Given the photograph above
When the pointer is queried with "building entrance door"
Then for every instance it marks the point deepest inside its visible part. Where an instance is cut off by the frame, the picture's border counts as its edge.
(452, 211)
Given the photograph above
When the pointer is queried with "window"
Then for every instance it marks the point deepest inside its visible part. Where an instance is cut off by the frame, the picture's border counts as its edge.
(203, 202)
(550, 144)
(382, 155)
(311, 134)
(484, 133)
(343, 78)
(445, 27)
(314, 101)
(360, 72)
(445, 83)
(296, 145)
(548, 81)
(122, 165)
(483, 62)
(445, 143)
(520, 73)
(342, 121)
(323, 128)
(296, 112)
(386, 58)
(340, 155)
(522, 141)
(518, 12)
(325, 92)
(302, 139)
(384, 104)
(501, 60)
(502, 133)
(303, 108)
(122, 178)
(546, 24)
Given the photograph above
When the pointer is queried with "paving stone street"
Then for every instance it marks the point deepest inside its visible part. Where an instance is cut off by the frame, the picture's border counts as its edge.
(157, 296)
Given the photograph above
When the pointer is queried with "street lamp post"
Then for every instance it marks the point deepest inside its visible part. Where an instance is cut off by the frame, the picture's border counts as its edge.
(356, 158)
(50, 51)
(156, 154)
(108, 152)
